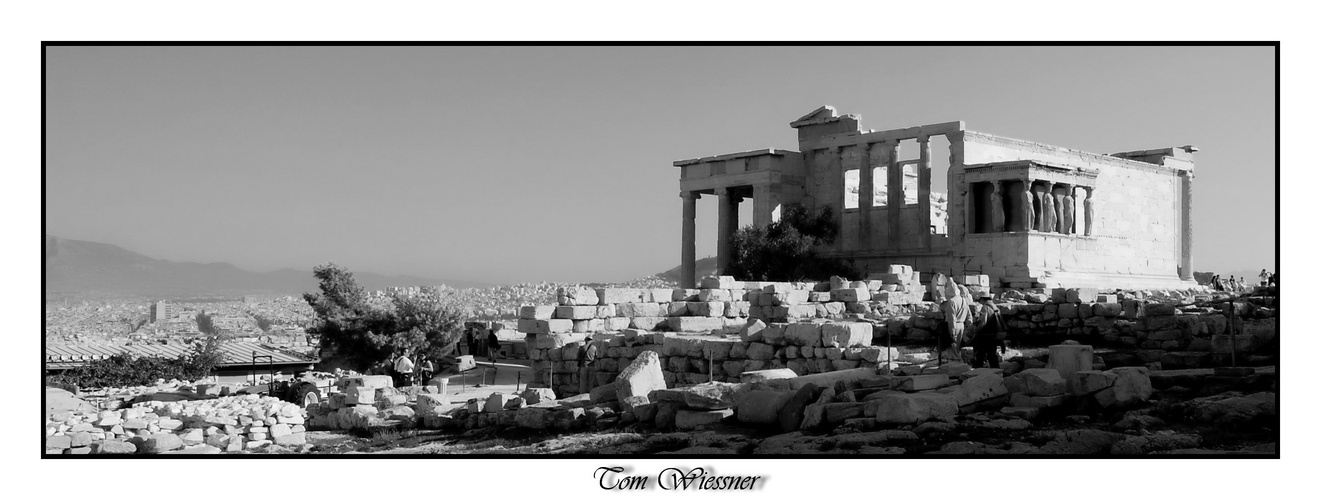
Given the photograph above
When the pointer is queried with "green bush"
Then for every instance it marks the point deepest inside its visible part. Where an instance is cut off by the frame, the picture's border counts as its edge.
(367, 334)
(125, 369)
(787, 250)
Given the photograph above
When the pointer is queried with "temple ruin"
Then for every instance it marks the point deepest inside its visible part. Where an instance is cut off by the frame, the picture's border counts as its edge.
(1024, 213)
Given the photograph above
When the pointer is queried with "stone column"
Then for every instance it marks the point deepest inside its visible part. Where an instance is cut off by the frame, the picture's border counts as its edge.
(1087, 215)
(727, 223)
(1186, 226)
(924, 190)
(866, 196)
(997, 208)
(688, 250)
(836, 174)
(764, 202)
(894, 193)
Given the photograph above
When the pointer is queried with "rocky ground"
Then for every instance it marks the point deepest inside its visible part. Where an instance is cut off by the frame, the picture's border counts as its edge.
(1202, 419)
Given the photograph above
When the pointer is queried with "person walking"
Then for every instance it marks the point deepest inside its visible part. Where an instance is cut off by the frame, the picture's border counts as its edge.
(587, 367)
(957, 315)
(492, 345)
(467, 340)
(988, 333)
(403, 368)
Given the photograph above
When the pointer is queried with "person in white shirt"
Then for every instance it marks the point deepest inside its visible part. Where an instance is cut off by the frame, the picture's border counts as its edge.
(403, 368)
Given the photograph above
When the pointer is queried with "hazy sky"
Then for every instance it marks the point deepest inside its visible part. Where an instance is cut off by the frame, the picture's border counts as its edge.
(512, 164)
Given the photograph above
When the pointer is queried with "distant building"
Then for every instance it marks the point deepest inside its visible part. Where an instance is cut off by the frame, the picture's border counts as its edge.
(163, 311)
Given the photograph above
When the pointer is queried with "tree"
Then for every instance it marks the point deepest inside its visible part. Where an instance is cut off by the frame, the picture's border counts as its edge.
(204, 323)
(786, 250)
(366, 334)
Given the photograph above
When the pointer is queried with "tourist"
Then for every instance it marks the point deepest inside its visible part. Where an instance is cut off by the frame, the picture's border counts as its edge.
(493, 345)
(467, 337)
(988, 332)
(427, 370)
(1275, 277)
(587, 367)
(957, 316)
(1265, 276)
(403, 369)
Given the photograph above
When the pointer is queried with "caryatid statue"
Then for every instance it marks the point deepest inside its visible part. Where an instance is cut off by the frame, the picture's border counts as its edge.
(997, 209)
(1034, 206)
(1048, 213)
(1028, 217)
(1087, 213)
(1067, 226)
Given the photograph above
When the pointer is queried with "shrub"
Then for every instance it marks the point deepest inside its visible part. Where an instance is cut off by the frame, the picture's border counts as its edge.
(125, 369)
(787, 250)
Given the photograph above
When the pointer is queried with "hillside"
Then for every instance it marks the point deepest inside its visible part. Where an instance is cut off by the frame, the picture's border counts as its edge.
(91, 268)
(705, 266)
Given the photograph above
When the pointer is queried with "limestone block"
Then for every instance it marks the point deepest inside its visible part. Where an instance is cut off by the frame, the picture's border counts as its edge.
(713, 395)
(717, 349)
(368, 381)
(714, 295)
(707, 309)
(641, 377)
(588, 325)
(752, 376)
(647, 322)
(900, 408)
(116, 448)
(694, 323)
(159, 442)
(1042, 382)
(722, 282)
(752, 330)
(1069, 359)
(575, 312)
(577, 296)
(979, 388)
(685, 294)
(1089, 381)
(922, 382)
(846, 334)
(429, 404)
(496, 402)
(774, 333)
(850, 295)
(293, 439)
(603, 394)
(536, 312)
(661, 295)
(760, 351)
(1132, 386)
(690, 419)
(1025, 401)
(615, 324)
(803, 334)
(1082, 295)
(858, 377)
(634, 309)
(837, 413)
(1107, 309)
(761, 407)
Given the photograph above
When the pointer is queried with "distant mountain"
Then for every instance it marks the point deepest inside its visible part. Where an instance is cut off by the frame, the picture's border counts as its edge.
(705, 267)
(86, 267)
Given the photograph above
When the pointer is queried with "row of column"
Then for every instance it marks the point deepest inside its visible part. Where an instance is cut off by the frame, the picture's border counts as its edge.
(894, 192)
(726, 224)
